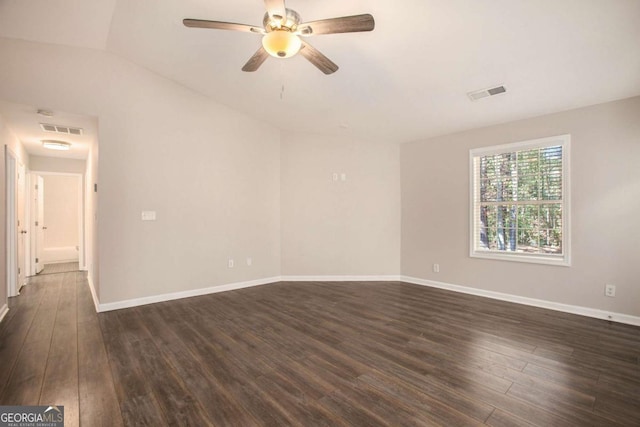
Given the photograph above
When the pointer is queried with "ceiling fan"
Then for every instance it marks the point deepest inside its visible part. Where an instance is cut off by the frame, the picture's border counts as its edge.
(282, 31)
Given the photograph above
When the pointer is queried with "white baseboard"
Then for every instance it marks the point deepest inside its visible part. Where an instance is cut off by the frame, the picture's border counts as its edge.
(228, 287)
(3, 312)
(184, 294)
(566, 308)
(340, 278)
(96, 301)
(59, 255)
(63, 261)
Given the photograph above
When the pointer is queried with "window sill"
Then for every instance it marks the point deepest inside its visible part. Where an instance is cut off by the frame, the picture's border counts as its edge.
(560, 261)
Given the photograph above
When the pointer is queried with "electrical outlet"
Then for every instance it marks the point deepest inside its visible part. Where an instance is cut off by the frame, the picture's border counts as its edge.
(610, 290)
(148, 215)
(230, 263)
(436, 268)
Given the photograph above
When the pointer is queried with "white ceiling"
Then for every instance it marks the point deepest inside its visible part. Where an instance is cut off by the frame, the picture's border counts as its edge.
(24, 121)
(404, 81)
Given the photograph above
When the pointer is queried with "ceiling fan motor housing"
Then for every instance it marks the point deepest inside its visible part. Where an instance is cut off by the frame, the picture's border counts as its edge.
(281, 23)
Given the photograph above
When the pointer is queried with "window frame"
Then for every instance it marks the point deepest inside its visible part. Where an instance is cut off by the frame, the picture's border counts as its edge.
(474, 195)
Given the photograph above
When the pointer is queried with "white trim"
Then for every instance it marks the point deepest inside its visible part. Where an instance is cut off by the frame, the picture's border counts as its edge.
(551, 305)
(563, 260)
(10, 225)
(566, 308)
(65, 261)
(3, 312)
(94, 296)
(521, 257)
(390, 278)
(529, 144)
(184, 294)
(230, 287)
(27, 219)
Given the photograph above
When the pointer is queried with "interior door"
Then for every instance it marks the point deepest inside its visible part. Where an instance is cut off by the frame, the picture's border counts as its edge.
(39, 224)
(11, 225)
(22, 226)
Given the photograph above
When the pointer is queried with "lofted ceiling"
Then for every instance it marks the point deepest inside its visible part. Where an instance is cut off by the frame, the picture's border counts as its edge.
(406, 80)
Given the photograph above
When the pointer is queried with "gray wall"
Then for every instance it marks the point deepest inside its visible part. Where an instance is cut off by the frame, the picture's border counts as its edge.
(342, 228)
(605, 208)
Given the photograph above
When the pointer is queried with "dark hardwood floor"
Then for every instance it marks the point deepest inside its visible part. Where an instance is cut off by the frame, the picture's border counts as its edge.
(334, 354)
(52, 352)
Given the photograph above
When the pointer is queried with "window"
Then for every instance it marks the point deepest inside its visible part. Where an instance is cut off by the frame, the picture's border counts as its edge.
(520, 201)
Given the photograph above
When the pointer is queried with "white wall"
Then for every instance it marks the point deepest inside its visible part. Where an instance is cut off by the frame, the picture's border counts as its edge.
(56, 164)
(210, 173)
(605, 199)
(339, 227)
(61, 217)
(91, 219)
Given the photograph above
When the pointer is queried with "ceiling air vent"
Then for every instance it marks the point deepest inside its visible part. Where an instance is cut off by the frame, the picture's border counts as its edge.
(67, 130)
(479, 94)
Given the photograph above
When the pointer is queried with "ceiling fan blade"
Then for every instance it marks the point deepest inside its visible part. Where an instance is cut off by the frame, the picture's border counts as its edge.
(345, 24)
(219, 25)
(256, 60)
(276, 8)
(314, 56)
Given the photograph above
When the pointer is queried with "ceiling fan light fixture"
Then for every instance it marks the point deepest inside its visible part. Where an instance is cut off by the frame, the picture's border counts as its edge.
(281, 43)
(56, 145)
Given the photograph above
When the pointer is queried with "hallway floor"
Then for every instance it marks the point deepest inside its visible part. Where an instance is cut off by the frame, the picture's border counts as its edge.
(52, 352)
(60, 267)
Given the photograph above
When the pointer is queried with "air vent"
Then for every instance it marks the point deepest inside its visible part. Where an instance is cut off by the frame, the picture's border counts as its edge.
(67, 130)
(479, 94)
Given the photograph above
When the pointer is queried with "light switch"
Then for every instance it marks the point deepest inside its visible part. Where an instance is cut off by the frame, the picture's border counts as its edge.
(148, 215)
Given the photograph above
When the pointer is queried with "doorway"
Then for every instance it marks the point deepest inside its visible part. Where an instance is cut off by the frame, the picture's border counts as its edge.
(15, 223)
(57, 241)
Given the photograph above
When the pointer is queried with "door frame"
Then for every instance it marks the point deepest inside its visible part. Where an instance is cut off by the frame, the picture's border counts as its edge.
(82, 262)
(11, 228)
(37, 223)
(22, 226)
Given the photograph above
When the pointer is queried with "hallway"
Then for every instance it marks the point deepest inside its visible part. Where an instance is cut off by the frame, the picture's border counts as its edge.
(52, 352)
